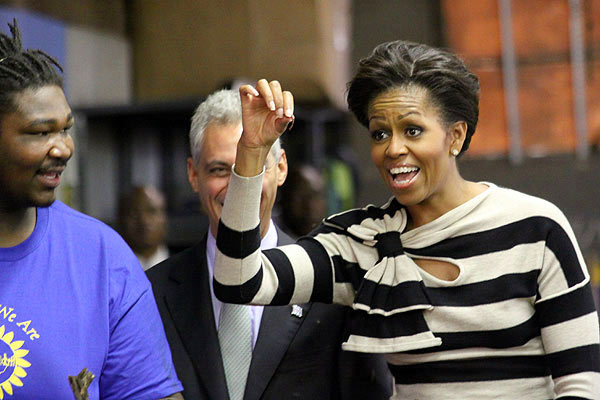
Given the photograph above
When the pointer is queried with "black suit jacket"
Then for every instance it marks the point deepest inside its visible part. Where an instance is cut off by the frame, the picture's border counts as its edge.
(294, 358)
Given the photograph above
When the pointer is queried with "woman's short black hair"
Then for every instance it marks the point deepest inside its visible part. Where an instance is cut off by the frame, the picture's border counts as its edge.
(22, 69)
(450, 85)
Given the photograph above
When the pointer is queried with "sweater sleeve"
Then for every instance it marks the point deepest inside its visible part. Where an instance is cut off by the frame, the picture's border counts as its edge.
(567, 316)
(291, 274)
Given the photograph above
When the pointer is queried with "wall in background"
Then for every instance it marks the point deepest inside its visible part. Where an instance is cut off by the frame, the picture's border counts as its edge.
(544, 71)
(191, 47)
(109, 16)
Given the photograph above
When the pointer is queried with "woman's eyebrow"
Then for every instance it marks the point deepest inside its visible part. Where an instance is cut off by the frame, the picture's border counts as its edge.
(399, 117)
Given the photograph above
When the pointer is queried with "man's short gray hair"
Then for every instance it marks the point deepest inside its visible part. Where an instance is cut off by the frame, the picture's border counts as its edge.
(222, 107)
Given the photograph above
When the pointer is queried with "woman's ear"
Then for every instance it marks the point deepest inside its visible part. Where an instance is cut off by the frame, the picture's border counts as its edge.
(458, 134)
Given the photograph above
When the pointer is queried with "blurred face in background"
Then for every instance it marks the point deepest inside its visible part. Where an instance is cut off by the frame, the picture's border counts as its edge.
(210, 178)
(303, 200)
(144, 220)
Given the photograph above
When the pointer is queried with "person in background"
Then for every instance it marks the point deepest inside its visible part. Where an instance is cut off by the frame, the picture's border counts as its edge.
(288, 352)
(143, 224)
(469, 289)
(302, 200)
(72, 293)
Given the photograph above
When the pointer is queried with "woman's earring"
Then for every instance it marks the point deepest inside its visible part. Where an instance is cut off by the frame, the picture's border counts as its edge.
(454, 152)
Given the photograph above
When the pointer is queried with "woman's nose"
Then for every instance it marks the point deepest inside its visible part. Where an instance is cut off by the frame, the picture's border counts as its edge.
(396, 146)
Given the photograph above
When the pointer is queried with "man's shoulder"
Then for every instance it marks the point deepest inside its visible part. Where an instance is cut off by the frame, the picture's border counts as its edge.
(75, 225)
(78, 220)
(178, 268)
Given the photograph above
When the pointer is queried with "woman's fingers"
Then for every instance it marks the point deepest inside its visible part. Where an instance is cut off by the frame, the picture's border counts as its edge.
(277, 97)
(286, 119)
(288, 104)
(263, 87)
(246, 90)
(282, 124)
(280, 102)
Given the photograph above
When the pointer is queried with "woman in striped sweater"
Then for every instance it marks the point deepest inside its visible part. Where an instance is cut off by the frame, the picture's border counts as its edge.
(472, 291)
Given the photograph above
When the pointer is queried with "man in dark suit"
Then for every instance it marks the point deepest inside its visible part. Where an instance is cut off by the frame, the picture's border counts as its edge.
(296, 349)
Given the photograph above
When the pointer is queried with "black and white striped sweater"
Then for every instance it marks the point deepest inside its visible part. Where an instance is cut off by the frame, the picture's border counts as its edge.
(519, 322)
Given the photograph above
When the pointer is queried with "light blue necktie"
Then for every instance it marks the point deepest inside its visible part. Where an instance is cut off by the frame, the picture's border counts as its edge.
(235, 339)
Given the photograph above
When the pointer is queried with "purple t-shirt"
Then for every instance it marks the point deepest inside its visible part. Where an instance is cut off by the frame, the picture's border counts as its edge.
(73, 295)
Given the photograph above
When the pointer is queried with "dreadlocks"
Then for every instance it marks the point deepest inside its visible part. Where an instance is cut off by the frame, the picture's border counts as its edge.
(22, 69)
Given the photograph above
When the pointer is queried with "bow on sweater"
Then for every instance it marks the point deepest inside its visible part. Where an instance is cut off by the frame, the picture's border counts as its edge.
(391, 298)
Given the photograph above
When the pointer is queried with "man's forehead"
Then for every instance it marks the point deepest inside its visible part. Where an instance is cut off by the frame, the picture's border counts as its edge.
(43, 100)
(219, 136)
(224, 130)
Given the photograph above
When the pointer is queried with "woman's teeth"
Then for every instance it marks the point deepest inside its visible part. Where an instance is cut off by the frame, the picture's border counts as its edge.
(403, 175)
(403, 170)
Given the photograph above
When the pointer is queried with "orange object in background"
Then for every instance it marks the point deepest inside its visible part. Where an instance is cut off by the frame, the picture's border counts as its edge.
(542, 49)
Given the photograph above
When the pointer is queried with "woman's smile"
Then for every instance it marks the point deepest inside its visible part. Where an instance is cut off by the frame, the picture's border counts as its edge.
(404, 175)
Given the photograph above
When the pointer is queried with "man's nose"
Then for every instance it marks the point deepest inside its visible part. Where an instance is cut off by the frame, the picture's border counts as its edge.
(61, 146)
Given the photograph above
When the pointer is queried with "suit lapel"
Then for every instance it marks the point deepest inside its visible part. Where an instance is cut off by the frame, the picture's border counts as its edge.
(190, 306)
(278, 328)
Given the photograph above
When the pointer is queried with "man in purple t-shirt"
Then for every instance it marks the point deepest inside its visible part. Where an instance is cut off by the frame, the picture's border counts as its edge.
(72, 294)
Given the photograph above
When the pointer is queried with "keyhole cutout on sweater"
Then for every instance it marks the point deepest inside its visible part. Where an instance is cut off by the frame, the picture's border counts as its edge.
(440, 269)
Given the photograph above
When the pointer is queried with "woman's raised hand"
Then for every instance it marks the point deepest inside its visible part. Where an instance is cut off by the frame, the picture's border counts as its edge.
(267, 110)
